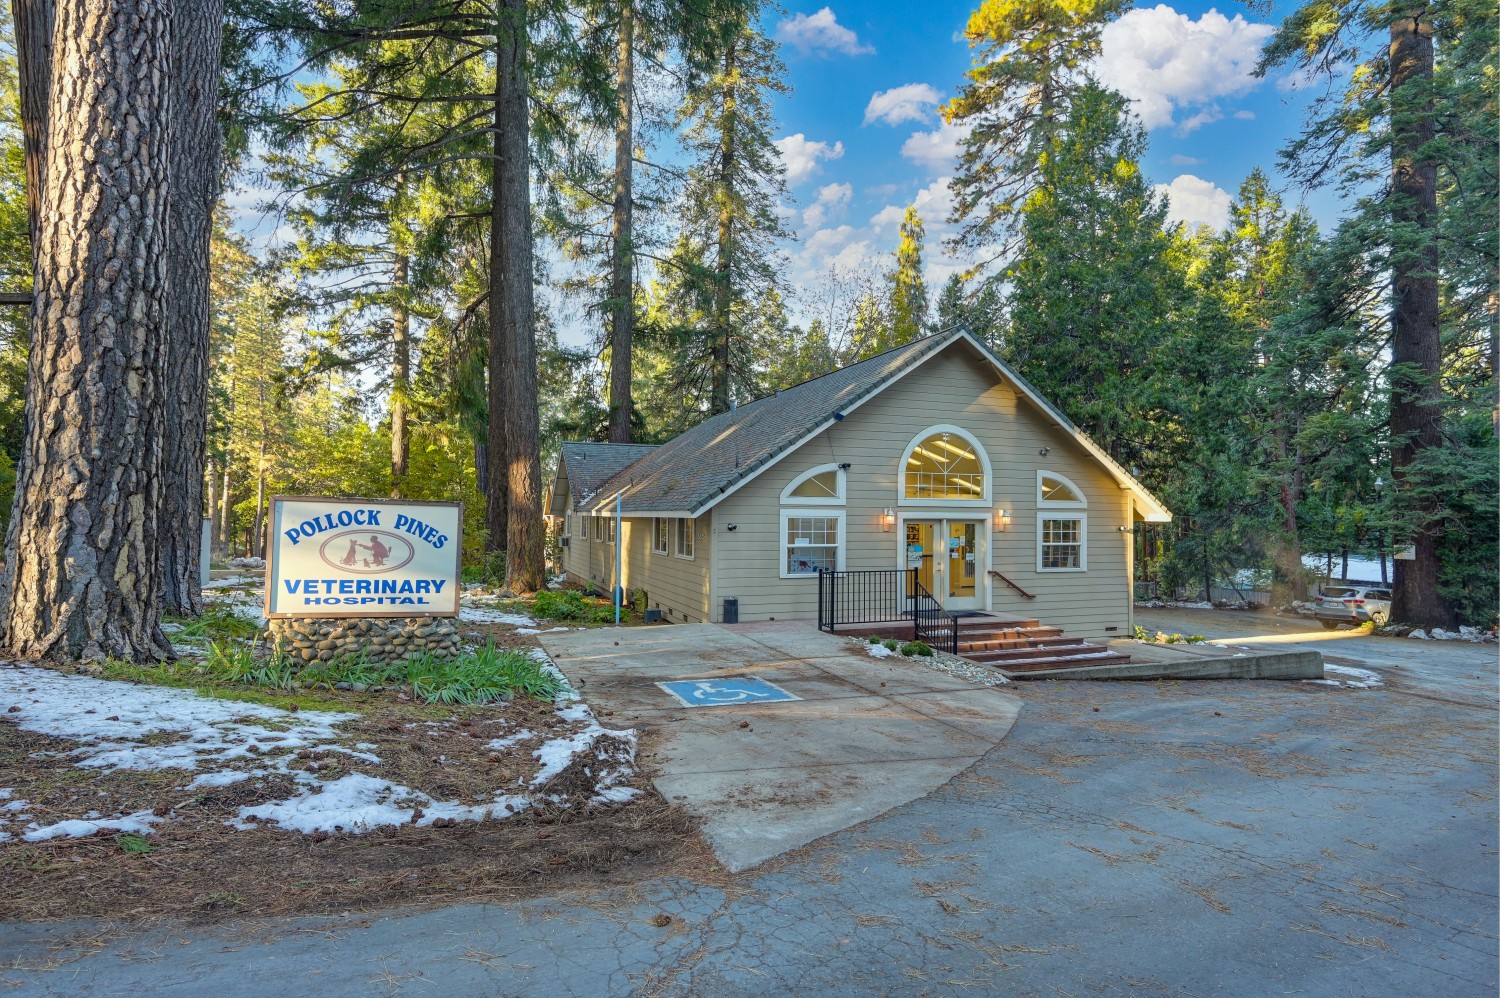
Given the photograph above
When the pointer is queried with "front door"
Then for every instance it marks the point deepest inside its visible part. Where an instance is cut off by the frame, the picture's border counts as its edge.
(949, 559)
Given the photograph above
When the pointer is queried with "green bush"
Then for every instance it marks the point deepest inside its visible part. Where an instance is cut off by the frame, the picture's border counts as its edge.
(891, 643)
(560, 604)
(917, 648)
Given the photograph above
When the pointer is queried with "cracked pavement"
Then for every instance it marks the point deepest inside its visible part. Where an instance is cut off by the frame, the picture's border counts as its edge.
(1205, 838)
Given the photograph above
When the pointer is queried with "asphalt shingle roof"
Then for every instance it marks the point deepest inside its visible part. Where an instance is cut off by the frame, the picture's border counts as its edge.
(590, 465)
(687, 472)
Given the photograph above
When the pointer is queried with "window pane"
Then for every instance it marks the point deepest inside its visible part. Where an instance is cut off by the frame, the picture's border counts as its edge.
(944, 466)
(1056, 491)
(811, 544)
(1062, 543)
(824, 485)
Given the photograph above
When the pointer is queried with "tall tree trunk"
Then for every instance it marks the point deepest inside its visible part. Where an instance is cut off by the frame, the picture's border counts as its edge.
(400, 374)
(196, 27)
(497, 462)
(214, 521)
(720, 389)
(33, 22)
(515, 365)
(1416, 350)
(257, 545)
(82, 578)
(622, 260)
(226, 512)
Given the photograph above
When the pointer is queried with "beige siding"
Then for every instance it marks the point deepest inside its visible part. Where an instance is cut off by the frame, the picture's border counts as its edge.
(676, 586)
(955, 388)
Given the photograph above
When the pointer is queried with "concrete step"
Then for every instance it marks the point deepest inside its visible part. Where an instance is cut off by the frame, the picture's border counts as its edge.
(1102, 656)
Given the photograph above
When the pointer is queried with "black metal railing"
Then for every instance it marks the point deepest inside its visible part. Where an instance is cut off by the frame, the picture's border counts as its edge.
(934, 625)
(873, 596)
(879, 596)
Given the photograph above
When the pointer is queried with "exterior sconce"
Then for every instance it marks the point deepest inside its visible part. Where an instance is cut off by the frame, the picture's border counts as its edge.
(888, 519)
(1002, 519)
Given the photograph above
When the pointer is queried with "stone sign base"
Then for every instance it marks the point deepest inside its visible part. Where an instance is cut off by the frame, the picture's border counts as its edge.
(382, 640)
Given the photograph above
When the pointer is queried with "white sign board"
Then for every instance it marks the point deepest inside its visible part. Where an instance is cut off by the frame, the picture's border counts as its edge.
(363, 558)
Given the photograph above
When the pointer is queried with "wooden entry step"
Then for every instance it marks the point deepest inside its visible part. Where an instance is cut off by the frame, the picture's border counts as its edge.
(1008, 642)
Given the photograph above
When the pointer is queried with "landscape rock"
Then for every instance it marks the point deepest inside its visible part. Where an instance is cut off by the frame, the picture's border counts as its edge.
(380, 641)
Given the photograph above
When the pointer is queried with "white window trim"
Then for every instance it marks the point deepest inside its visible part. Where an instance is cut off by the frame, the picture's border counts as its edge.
(838, 500)
(822, 511)
(690, 525)
(656, 535)
(1081, 503)
(1083, 538)
(979, 452)
(598, 533)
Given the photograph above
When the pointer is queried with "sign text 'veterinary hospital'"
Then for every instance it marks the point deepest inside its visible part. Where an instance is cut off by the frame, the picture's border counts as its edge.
(363, 558)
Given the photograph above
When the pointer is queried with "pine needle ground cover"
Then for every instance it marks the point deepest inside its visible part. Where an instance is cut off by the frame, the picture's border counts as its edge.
(209, 788)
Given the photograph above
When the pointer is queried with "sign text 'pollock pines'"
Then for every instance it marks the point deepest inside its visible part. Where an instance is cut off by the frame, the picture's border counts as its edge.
(363, 558)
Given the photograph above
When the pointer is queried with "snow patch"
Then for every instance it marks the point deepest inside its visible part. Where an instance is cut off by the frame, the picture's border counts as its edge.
(1356, 679)
(76, 828)
(879, 651)
(485, 615)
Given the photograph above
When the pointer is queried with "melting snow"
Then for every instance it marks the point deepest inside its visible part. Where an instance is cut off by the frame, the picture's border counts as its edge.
(486, 615)
(1358, 679)
(879, 651)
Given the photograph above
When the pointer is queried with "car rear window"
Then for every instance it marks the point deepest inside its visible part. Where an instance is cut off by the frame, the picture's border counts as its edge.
(1337, 592)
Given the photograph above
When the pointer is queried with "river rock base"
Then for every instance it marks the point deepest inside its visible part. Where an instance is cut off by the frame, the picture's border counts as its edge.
(381, 640)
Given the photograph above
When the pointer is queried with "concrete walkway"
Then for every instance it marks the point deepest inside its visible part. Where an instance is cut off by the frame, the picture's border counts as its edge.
(866, 736)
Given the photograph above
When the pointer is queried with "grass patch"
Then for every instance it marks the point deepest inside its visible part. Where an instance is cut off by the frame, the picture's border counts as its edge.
(232, 671)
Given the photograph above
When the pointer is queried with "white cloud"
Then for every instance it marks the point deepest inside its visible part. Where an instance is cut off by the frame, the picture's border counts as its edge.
(936, 150)
(912, 102)
(889, 215)
(1196, 202)
(832, 200)
(827, 240)
(1178, 159)
(1244, 115)
(821, 31)
(802, 156)
(1165, 61)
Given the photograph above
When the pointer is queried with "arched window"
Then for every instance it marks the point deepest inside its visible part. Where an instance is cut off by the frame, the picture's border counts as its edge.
(1053, 489)
(820, 486)
(945, 464)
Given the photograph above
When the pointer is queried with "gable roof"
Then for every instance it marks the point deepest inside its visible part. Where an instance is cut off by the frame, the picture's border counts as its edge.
(589, 465)
(689, 474)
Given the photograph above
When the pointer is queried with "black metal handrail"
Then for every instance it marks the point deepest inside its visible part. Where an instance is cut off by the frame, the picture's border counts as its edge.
(871, 596)
(934, 625)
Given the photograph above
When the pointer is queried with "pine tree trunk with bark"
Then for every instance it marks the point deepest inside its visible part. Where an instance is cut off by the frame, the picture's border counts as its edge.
(512, 315)
(400, 375)
(1416, 348)
(196, 28)
(82, 577)
(33, 22)
(622, 261)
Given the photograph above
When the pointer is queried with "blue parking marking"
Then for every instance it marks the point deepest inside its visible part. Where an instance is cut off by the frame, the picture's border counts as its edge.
(722, 692)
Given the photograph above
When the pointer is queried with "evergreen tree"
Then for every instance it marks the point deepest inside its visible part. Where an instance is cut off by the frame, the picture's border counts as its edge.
(729, 205)
(982, 314)
(1095, 293)
(908, 286)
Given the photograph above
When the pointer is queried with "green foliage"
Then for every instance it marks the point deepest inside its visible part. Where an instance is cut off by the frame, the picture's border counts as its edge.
(891, 643)
(920, 649)
(133, 845)
(570, 604)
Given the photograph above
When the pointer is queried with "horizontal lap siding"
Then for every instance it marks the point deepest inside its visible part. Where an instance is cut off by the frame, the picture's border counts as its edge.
(954, 387)
(676, 586)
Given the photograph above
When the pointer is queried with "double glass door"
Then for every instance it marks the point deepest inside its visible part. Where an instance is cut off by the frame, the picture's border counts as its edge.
(949, 559)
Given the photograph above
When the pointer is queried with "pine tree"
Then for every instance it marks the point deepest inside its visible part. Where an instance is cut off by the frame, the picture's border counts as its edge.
(908, 286)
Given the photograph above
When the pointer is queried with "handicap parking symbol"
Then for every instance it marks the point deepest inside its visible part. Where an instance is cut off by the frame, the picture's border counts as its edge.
(722, 692)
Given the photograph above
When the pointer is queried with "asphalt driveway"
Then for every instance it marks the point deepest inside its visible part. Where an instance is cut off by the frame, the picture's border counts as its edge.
(1164, 838)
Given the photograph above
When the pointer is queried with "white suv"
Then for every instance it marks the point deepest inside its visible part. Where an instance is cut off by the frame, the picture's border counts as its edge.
(1354, 605)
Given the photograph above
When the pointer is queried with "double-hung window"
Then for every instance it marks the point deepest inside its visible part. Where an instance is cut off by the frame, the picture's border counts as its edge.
(1062, 525)
(685, 528)
(661, 531)
(811, 541)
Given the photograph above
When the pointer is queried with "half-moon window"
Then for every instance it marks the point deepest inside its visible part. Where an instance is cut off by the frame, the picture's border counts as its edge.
(824, 485)
(944, 466)
(1058, 490)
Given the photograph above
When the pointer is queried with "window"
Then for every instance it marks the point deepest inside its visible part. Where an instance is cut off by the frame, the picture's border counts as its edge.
(609, 530)
(820, 486)
(661, 531)
(598, 528)
(1060, 544)
(811, 541)
(1053, 489)
(945, 464)
(685, 530)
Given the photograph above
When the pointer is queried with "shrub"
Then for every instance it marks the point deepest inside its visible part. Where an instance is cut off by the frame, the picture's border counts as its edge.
(892, 644)
(918, 648)
(560, 604)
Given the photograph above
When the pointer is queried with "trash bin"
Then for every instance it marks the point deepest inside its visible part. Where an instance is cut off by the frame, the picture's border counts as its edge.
(731, 610)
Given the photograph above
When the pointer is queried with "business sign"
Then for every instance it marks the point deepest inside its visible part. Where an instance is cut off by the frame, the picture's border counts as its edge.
(363, 558)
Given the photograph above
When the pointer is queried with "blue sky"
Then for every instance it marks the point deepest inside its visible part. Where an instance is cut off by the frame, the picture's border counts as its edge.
(862, 139)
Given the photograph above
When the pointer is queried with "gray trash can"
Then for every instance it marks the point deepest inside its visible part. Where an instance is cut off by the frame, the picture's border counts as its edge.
(731, 610)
